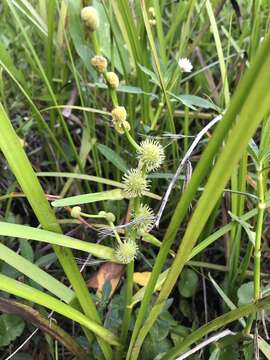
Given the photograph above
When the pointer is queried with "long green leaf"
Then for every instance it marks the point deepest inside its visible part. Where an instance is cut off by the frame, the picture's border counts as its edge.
(27, 232)
(90, 198)
(23, 171)
(24, 291)
(35, 273)
(215, 325)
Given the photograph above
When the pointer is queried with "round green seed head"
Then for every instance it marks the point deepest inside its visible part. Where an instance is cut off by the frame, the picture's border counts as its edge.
(119, 114)
(110, 217)
(144, 219)
(76, 212)
(126, 251)
(112, 79)
(151, 154)
(135, 183)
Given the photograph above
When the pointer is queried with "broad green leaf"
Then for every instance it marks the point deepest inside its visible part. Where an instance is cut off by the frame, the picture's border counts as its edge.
(127, 89)
(89, 198)
(194, 102)
(27, 292)
(29, 233)
(152, 348)
(113, 157)
(188, 283)
(246, 226)
(150, 73)
(11, 327)
(245, 293)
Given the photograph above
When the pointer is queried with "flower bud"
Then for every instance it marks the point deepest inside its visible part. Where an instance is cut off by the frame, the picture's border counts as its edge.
(90, 17)
(102, 213)
(119, 116)
(110, 217)
(112, 80)
(100, 63)
(152, 12)
(121, 127)
(76, 212)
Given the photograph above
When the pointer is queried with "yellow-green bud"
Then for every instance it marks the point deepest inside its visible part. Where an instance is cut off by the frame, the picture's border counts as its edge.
(112, 79)
(76, 212)
(119, 116)
(89, 16)
(100, 63)
(110, 217)
(152, 22)
(102, 213)
(152, 12)
(120, 127)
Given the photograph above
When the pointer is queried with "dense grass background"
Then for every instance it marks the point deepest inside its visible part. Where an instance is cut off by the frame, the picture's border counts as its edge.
(208, 258)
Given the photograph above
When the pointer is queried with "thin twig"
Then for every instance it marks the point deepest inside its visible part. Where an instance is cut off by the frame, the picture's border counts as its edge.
(203, 344)
(182, 164)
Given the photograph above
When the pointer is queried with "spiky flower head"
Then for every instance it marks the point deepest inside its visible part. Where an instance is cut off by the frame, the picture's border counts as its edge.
(89, 16)
(126, 251)
(100, 63)
(151, 154)
(112, 79)
(135, 183)
(76, 212)
(185, 65)
(119, 116)
(144, 218)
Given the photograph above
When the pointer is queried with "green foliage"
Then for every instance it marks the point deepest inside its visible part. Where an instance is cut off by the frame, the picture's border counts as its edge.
(11, 327)
(188, 283)
(62, 145)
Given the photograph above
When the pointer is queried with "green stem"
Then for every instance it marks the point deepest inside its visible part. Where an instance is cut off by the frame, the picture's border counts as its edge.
(259, 228)
(257, 248)
(128, 309)
(131, 140)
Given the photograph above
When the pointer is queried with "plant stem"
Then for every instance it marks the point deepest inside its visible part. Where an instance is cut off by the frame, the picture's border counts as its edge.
(128, 308)
(259, 228)
(257, 248)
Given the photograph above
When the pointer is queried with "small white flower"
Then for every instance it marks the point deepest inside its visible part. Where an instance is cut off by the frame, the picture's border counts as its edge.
(185, 65)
